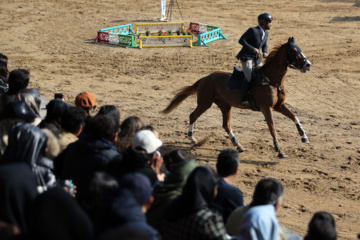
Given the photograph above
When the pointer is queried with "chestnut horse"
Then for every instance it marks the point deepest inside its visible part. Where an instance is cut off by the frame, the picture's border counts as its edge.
(266, 96)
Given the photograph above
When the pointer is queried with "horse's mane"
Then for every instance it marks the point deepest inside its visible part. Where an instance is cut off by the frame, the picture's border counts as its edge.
(273, 53)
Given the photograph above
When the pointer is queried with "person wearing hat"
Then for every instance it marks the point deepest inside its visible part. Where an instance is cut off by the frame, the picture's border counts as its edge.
(14, 112)
(253, 40)
(142, 156)
(86, 101)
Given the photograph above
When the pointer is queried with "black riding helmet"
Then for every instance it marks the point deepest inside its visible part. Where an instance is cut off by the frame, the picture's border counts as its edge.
(264, 17)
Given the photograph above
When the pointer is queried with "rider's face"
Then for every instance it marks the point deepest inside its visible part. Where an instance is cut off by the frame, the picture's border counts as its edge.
(268, 25)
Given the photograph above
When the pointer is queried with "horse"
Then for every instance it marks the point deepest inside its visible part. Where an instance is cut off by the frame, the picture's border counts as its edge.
(266, 97)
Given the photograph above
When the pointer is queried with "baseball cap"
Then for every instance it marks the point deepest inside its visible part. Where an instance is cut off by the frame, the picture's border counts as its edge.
(139, 185)
(20, 110)
(85, 99)
(145, 141)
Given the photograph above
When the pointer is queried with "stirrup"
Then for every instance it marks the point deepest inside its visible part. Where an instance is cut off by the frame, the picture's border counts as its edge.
(244, 103)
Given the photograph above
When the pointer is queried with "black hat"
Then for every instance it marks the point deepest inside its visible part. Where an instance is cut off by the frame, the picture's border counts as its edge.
(18, 109)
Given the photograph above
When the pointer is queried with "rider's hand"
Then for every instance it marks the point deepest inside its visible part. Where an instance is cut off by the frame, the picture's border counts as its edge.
(256, 51)
(265, 55)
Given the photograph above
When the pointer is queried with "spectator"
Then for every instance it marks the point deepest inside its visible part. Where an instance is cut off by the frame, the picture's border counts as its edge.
(229, 197)
(91, 153)
(86, 101)
(56, 215)
(260, 221)
(111, 111)
(27, 143)
(17, 192)
(54, 111)
(141, 157)
(100, 183)
(71, 126)
(4, 74)
(321, 227)
(30, 101)
(18, 80)
(128, 128)
(14, 112)
(125, 207)
(165, 192)
(189, 216)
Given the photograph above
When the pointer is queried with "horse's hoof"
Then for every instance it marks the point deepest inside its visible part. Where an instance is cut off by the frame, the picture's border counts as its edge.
(193, 141)
(305, 140)
(282, 155)
(240, 149)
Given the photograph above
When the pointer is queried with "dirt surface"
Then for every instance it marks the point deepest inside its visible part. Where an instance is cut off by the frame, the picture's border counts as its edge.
(54, 40)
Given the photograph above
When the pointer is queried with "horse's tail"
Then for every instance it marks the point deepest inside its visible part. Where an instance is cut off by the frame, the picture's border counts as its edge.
(180, 96)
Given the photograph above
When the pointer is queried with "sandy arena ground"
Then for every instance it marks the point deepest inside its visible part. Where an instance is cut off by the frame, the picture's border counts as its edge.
(54, 40)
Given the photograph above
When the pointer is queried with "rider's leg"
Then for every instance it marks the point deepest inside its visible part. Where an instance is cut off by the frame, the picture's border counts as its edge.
(247, 67)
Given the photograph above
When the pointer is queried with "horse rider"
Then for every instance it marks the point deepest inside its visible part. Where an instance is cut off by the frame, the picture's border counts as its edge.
(253, 40)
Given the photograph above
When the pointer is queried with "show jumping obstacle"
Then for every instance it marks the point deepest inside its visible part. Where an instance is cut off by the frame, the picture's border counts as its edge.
(206, 33)
(125, 36)
(122, 35)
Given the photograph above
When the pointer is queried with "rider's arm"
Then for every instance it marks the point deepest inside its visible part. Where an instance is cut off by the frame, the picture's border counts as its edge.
(244, 39)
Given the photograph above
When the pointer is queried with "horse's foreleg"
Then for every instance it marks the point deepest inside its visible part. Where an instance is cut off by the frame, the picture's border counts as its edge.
(226, 113)
(283, 109)
(270, 122)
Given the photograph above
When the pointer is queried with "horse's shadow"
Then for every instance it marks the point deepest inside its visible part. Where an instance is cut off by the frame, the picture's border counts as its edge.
(260, 163)
(185, 147)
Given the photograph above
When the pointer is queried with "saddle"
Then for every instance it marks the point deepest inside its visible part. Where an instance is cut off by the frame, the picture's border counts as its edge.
(237, 79)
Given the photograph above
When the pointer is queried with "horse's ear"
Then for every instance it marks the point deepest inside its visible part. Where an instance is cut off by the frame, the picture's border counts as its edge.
(291, 40)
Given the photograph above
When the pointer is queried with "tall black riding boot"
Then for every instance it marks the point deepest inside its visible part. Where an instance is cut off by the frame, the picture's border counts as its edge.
(244, 93)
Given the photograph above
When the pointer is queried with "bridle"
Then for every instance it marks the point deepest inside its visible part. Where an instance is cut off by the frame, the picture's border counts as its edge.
(291, 58)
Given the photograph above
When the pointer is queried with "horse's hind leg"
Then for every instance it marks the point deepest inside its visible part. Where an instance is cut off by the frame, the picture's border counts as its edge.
(226, 113)
(283, 109)
(200, 109)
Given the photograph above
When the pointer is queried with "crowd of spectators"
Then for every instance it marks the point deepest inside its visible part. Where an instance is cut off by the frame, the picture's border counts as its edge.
(75, 174)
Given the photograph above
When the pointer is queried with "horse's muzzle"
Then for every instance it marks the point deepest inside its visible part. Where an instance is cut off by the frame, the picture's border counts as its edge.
(306, 67)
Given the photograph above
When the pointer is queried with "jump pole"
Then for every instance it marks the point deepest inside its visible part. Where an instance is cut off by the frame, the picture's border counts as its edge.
(162, 10)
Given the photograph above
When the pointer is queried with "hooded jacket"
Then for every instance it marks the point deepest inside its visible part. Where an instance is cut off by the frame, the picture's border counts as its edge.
(120, 209)
(27, 143)
(17, 192)
(165, 192)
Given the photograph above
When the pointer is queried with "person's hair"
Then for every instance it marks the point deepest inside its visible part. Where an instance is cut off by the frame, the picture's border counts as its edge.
(100, 182)
(4, 72)
(173, 158)
(28, 98)
(55, 109)
(128, 128)
(111, 111)
(72, 119)
(321, 226)
(267, 191)
(227, 162)
(151, 128)
(18, 79)
(103, 126)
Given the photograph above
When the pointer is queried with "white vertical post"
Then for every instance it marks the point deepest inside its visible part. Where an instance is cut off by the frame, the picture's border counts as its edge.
(162, 10)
